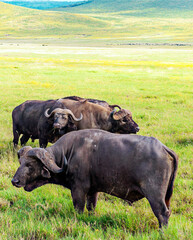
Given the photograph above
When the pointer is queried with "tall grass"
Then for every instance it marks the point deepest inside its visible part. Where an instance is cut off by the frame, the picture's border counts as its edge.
(155, 84)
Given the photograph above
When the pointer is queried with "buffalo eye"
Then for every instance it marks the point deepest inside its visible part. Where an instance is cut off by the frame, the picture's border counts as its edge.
(45, 173)
(124, 120)
(64, 116)
(30, 168)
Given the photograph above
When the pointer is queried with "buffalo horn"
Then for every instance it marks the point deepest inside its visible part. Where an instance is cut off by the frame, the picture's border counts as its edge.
(49, 115)
(69, 112)
(60, 110)
(64, 111)
(23, 151)
(46, 158)
(120, 114)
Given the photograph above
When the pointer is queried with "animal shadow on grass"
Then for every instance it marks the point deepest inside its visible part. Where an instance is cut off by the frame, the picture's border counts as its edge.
(131, 223)
(185, 141)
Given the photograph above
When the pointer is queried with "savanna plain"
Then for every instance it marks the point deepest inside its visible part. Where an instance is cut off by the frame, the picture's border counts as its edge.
(154, 83)
(49, 55)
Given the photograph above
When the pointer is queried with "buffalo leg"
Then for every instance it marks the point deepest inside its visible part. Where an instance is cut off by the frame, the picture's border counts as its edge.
(15, 137)
(43, 143)
(79, 199)
(24, 139)
(92, 201)
(160, 210)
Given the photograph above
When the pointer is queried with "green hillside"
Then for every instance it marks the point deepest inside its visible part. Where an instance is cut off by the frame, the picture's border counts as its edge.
(134, 26)
(29, 23)
(126, 5)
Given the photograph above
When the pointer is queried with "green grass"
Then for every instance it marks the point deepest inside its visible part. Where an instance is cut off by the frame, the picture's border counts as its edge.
(156, 84)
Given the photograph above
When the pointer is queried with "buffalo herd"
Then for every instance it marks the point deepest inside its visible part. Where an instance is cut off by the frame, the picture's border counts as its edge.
(95, 149)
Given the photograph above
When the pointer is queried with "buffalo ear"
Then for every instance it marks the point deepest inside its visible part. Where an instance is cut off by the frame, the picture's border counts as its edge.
(70, 120)
(45, 173)
(112, 113)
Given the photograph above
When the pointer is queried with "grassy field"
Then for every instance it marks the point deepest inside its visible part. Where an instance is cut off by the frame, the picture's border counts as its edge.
(156, 84)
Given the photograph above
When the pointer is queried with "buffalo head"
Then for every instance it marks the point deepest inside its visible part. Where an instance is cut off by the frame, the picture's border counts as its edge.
(36, 167)
(122, 122)
(62, 117)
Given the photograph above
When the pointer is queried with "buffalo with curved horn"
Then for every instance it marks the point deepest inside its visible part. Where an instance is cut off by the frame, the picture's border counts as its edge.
(90, 161)
(94, 116)
(49, 120)
(29, 120)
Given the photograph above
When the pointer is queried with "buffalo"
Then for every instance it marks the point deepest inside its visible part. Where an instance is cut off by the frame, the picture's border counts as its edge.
(49, 120)
(30, 122)
(95, 116)
(90, 161)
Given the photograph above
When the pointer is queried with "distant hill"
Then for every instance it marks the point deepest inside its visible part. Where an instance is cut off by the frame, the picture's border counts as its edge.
(23, 22)
(42, 4)
(121, 27)
(125, 5)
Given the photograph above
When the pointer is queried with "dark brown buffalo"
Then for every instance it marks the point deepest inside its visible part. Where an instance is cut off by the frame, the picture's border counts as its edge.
(30, 121)
(130, 167)
(95, 116)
